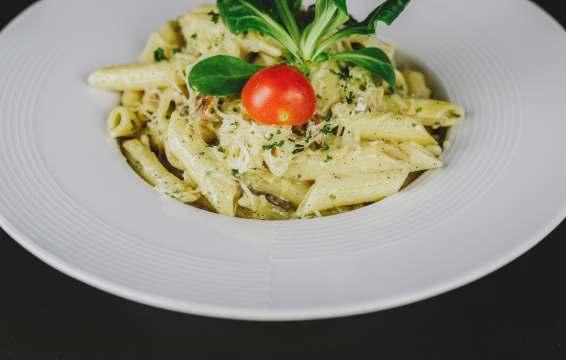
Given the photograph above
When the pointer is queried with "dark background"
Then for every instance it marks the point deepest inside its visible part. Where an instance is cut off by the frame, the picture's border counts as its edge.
(515, 313)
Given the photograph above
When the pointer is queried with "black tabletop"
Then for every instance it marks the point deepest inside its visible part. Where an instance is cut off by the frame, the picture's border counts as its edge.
(516, 313)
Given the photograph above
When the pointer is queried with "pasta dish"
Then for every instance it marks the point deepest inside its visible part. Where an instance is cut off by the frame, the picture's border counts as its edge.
(268, 110)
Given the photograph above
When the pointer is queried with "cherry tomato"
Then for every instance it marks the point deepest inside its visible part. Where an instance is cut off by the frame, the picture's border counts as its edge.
(279, 95)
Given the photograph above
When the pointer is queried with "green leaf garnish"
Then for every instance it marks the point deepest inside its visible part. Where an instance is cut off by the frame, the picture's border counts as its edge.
(221, 75)
(285, 11)
(306, 43)
(329, 15)
(387, 12)
(243, 15)
(372, 59)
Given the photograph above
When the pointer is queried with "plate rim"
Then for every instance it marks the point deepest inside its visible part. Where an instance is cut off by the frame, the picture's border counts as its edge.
(232, 313)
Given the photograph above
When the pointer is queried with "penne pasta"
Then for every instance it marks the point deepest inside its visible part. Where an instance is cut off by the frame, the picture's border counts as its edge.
(387, 126)
(260, 208)
(285, 189)
(132, 99)
(148, 166)
(329, 192)
(123, 122)
(154, 43)
(170, 32)
(433, 113)
(416, 84)
(360, 159)
(136, 77)
(213, 179)
(419, 158)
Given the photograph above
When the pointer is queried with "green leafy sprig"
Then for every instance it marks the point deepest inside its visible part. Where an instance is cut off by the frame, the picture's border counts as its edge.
(307, 45)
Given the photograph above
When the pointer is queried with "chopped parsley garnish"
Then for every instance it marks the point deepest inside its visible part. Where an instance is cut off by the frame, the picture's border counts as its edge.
(328, 129)
(159, 55)
(328, 158)
(274, 145)
(419, 109)
(214, 17)
(344, 73)
(176, 51)
(350, 97)
(332, 197)
(308, 137)
(222, 150)
(326, 148)
(298, 149)
(235, 172)
(194, 36)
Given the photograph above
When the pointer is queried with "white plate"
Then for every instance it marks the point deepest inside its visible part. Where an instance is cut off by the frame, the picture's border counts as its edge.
(69, 197)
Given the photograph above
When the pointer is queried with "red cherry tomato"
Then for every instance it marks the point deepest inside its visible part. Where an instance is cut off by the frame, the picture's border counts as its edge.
(279, 95)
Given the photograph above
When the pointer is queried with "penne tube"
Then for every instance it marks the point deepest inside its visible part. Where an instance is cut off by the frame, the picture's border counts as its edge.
(146, 163)
(329, 192)
(288, 190)
(419, 158)
(136, 77)
(416, 84)
(169, 39)
(155, 42)
(170, 32)
(259, 208)
(212, 178)
(433, 113)
(123, 122)
(436, 113)
(359, 159)
(387, 126)
(132, 99)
